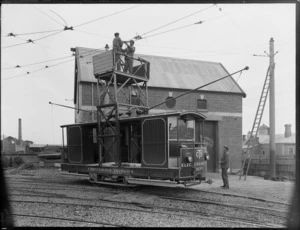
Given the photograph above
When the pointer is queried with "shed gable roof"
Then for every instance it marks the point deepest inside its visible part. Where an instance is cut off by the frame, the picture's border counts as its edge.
(168, 72)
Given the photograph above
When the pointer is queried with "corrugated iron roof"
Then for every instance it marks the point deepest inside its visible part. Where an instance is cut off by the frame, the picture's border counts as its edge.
(169, 72)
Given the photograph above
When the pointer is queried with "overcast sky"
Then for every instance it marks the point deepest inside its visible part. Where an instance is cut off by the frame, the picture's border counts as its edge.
(229, 34)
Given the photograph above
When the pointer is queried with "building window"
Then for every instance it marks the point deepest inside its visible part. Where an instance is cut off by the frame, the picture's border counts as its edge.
(291, 152)
(263, 152)
(202, 102)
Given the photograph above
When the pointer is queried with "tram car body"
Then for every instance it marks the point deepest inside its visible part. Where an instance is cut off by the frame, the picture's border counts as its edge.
(158, 149)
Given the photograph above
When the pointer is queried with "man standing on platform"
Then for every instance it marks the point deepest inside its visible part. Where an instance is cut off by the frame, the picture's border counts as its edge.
(224, 166)
(129, 51)
(117, 49)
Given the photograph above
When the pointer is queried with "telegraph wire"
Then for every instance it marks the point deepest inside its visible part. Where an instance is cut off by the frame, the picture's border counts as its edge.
(88, 53)
(32, 41)
(66, 24)
(14, 45)
(48, 16)
(59, 31)
(39, 32)
(200, 22)
(178, 20)
(20, 66)
(106, 16)
(27, 73)
(49, 35)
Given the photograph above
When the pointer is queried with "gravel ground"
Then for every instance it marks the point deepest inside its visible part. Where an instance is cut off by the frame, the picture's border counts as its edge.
(254, 187)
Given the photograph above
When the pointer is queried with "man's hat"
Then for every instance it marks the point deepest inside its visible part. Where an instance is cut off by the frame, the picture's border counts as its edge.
(116, 34)
(226, 147)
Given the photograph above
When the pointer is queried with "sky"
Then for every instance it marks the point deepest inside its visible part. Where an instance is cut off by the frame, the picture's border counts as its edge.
(229, 34)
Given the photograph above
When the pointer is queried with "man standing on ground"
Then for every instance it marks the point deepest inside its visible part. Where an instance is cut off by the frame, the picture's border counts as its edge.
(224, 166)
(117, 49)
(129, 51)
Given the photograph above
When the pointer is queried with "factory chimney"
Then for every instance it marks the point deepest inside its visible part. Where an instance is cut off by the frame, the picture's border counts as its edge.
(20, 129)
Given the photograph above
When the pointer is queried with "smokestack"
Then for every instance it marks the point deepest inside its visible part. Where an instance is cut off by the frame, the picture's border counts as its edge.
(288, 130)
(20, 129)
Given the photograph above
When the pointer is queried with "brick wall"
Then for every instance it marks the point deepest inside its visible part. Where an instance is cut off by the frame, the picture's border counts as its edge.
(216, 102)
(230, 134)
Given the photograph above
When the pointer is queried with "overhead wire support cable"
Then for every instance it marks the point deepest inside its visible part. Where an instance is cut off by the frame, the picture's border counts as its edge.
(39, 32)
(20, 66)
(92, 112)
(45, 67)
(192, 90)
(196, 23)
(106, 16)
(49, 16)
(177, 20)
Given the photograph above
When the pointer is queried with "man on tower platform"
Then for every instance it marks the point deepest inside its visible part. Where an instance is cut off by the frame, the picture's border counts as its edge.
(117, 50)
(129, 51)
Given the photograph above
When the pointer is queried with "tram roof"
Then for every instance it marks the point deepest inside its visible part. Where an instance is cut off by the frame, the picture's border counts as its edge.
(168, 72)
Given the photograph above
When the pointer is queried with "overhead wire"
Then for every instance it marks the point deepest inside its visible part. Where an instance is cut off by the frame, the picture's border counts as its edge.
(178, 20)
(38, 32)
(105, 16)
(30, 72)
(66, 24)
(65, 28)
(48, 16)
(200, 22)
(19, 66)
(87, 53)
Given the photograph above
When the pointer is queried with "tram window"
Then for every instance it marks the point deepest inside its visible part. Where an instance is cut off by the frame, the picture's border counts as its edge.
(186, 130)
(172, 128)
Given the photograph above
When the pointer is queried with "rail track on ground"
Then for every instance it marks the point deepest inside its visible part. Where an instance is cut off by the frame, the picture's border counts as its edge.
(25, 194)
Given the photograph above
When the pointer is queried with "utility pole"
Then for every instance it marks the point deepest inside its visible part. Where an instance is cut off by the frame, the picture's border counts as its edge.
(272, 112)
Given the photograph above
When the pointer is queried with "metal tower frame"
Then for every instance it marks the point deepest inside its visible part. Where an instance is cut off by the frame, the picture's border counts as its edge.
(120, 95)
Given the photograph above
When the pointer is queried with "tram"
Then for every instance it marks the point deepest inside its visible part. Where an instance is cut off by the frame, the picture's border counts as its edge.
(127, 144)
(165, 149)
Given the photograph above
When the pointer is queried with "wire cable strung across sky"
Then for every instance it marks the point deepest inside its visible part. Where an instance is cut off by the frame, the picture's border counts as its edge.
(46, 67)
(140, 38)
(61, 30)
(177, 20)
(19, 66)
(88, 53)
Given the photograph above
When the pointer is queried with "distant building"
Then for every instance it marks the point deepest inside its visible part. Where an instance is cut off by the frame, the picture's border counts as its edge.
(221, 102)
(285, 143)
(37, 148)
(12, 145)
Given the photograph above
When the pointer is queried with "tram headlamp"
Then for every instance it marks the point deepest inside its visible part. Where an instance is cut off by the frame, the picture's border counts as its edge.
(206, 157)
(190, 158)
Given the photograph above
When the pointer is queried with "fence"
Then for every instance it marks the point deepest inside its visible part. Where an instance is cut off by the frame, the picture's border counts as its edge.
(285, 165)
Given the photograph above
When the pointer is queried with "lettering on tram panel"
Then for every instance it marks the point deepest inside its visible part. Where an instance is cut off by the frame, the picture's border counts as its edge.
(110, 171)
(186, 164)
(198, 169)
(199, 163)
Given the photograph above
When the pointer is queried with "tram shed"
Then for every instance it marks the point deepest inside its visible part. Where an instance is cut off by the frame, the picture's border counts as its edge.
(220, 102)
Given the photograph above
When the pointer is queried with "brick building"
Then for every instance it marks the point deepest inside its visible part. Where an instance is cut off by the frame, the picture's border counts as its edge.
(285, 142)
(220, 102)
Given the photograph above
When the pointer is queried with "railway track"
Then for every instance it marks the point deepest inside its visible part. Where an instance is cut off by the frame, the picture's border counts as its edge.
(149, 208)
(35, 192)
(152, 209)
(97, 223)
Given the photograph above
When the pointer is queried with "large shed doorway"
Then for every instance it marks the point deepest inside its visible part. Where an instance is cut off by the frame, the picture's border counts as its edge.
(210, 138)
